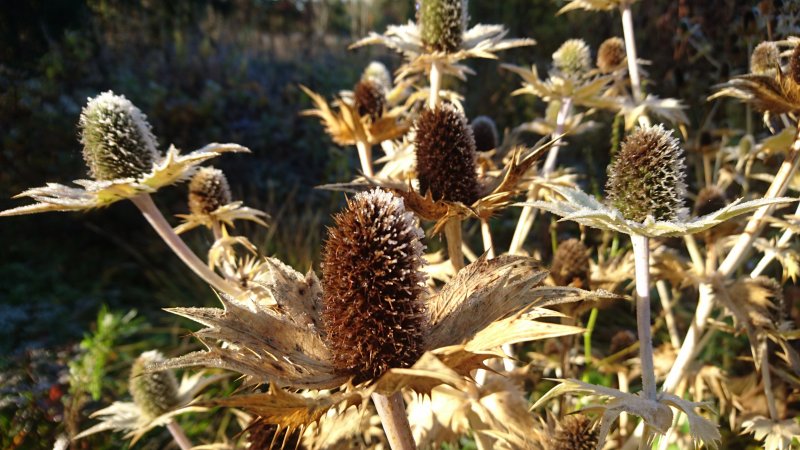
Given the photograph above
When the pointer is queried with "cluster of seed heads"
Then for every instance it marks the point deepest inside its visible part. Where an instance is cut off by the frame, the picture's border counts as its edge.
(571, 264)
(647, 177)
(155, 393)
(442, 24)
(611, 54)
(208, 191)
(485, 132)
(372, 284)
(117, 140)
(572, 59)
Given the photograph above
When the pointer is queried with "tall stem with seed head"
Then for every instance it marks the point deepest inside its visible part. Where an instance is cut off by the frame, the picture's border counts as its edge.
(641, 254)
(392, 411)
(365, 157)
(452, 233)
(435, 83)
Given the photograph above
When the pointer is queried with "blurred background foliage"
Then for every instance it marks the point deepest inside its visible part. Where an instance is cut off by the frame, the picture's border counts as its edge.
(228, 71)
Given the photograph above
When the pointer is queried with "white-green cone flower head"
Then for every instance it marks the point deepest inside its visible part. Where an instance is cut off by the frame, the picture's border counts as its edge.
(155, 393)
(377, 72)
(442, 24)
(208, 191)
(647, 177)
(765, 58)
(117, 140)
(572, 58)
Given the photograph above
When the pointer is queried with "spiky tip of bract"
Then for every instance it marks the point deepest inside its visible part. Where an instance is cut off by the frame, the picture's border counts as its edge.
(611, 54)
(572, 58)
(794, 64)
(647, 177)
(377, 72)
(485, 132)
(208, 190)
(117, 140)
(442, 23)
(709, 199)
(765, 58)
(262, 435)
(155, 393)
(372, 283)
(370, 98)
(445, 150)
(576, 432)
(571, 264)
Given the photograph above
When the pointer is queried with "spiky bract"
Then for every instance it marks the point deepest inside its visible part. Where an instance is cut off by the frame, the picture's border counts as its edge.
(575, 433)
(709, 199)
(571, 264)
(155, 393)
(372, 283)
(765, 58)
(208, 191)
(117, 140)
(370, 98)
(445, 150)
(611, 54)
(485, 132)
(647, 177)
(442, 24)
(572, 58)
(377, 71)
(262, 435)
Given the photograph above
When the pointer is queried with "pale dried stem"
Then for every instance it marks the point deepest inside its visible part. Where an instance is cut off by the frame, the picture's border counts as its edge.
(641, 254)
(435, 85)
(766, 378)
(365, 156)
(392, 410)
(452, 233)
(694, 254)
(630, 51)
(151, 212)
(179, 436)
(486, 235)
(669, 317)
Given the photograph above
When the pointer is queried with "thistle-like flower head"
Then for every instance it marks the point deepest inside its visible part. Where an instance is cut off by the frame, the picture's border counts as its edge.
(377, 71)
(445, 150)
(370, 98)
(571, 264)
(572, 59)
(611, 54)
(155, 393)
(485, 132)
(117, 140)
(442, 23)
(373, 313)
(208, 191)
(765, 58)
(576, 432)
(647, 177)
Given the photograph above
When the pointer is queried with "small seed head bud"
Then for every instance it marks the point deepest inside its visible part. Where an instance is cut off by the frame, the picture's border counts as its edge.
(765, 58)
(485, 132)
(155, 393)
(372, 283)
(117, 140)
(445, 149)
(575, 432)
(377, 72)
(709, 199)
(208, 190)
(571, 264)
(370, 98)
(611, 54)
(572, 58)
(647, 177)
(442, 23)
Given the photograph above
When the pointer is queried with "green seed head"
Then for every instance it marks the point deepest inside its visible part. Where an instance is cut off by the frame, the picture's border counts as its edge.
(647, 177)
(765, 58)
(117, 140)
(572, 58)
(377, 72)
(485, 132)
(155, 393)
(442, 23)
(611, 54)
(208, 190)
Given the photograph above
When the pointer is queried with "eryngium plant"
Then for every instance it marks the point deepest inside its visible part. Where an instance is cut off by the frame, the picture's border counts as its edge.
(442, 23)
(445, 150)
(208, 191)
(370, 98)
(572, 59)
(372, 281)
(575, 433)
(155, 393)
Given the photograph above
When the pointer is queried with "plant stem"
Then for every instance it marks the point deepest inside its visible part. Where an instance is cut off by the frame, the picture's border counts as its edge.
(486, 235)
(669, 318)
(180, 437)
(587, 337)
(630, 50)
(435, 83)
(145, 204)
(641, 254)
(766, 378)
(452, 233)
(392, 411)
(365, 156)
(769, 255)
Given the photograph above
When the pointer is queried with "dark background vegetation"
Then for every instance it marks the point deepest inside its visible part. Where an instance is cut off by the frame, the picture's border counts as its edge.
(228, 71)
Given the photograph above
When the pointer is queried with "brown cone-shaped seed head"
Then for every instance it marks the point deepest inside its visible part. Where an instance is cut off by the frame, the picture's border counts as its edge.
(794, 64)
(441, 24)
(372, 283)
(709, 199)
(117, 140)
(155, 393)
(370, 98)
(647, 177)
(611, 54)
(485, 132)
(765, 57)
(445, 150)
(208, 190)
(575, 432)
(571, 264)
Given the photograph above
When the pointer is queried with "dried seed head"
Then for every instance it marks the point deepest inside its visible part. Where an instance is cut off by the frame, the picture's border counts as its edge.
(485, 132)
(117, 140)
(262, 435)
(575, 432)
(611, 54)
(794, 64)
(155, 393)
(372, 283)
(377, 71)
(442, 23)
(621, 340)
(370, 98)
(765, 58)
(572, 58)
(445, 149)
(571, 264)
(208, 190)
(647, 177)
(709, 199)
